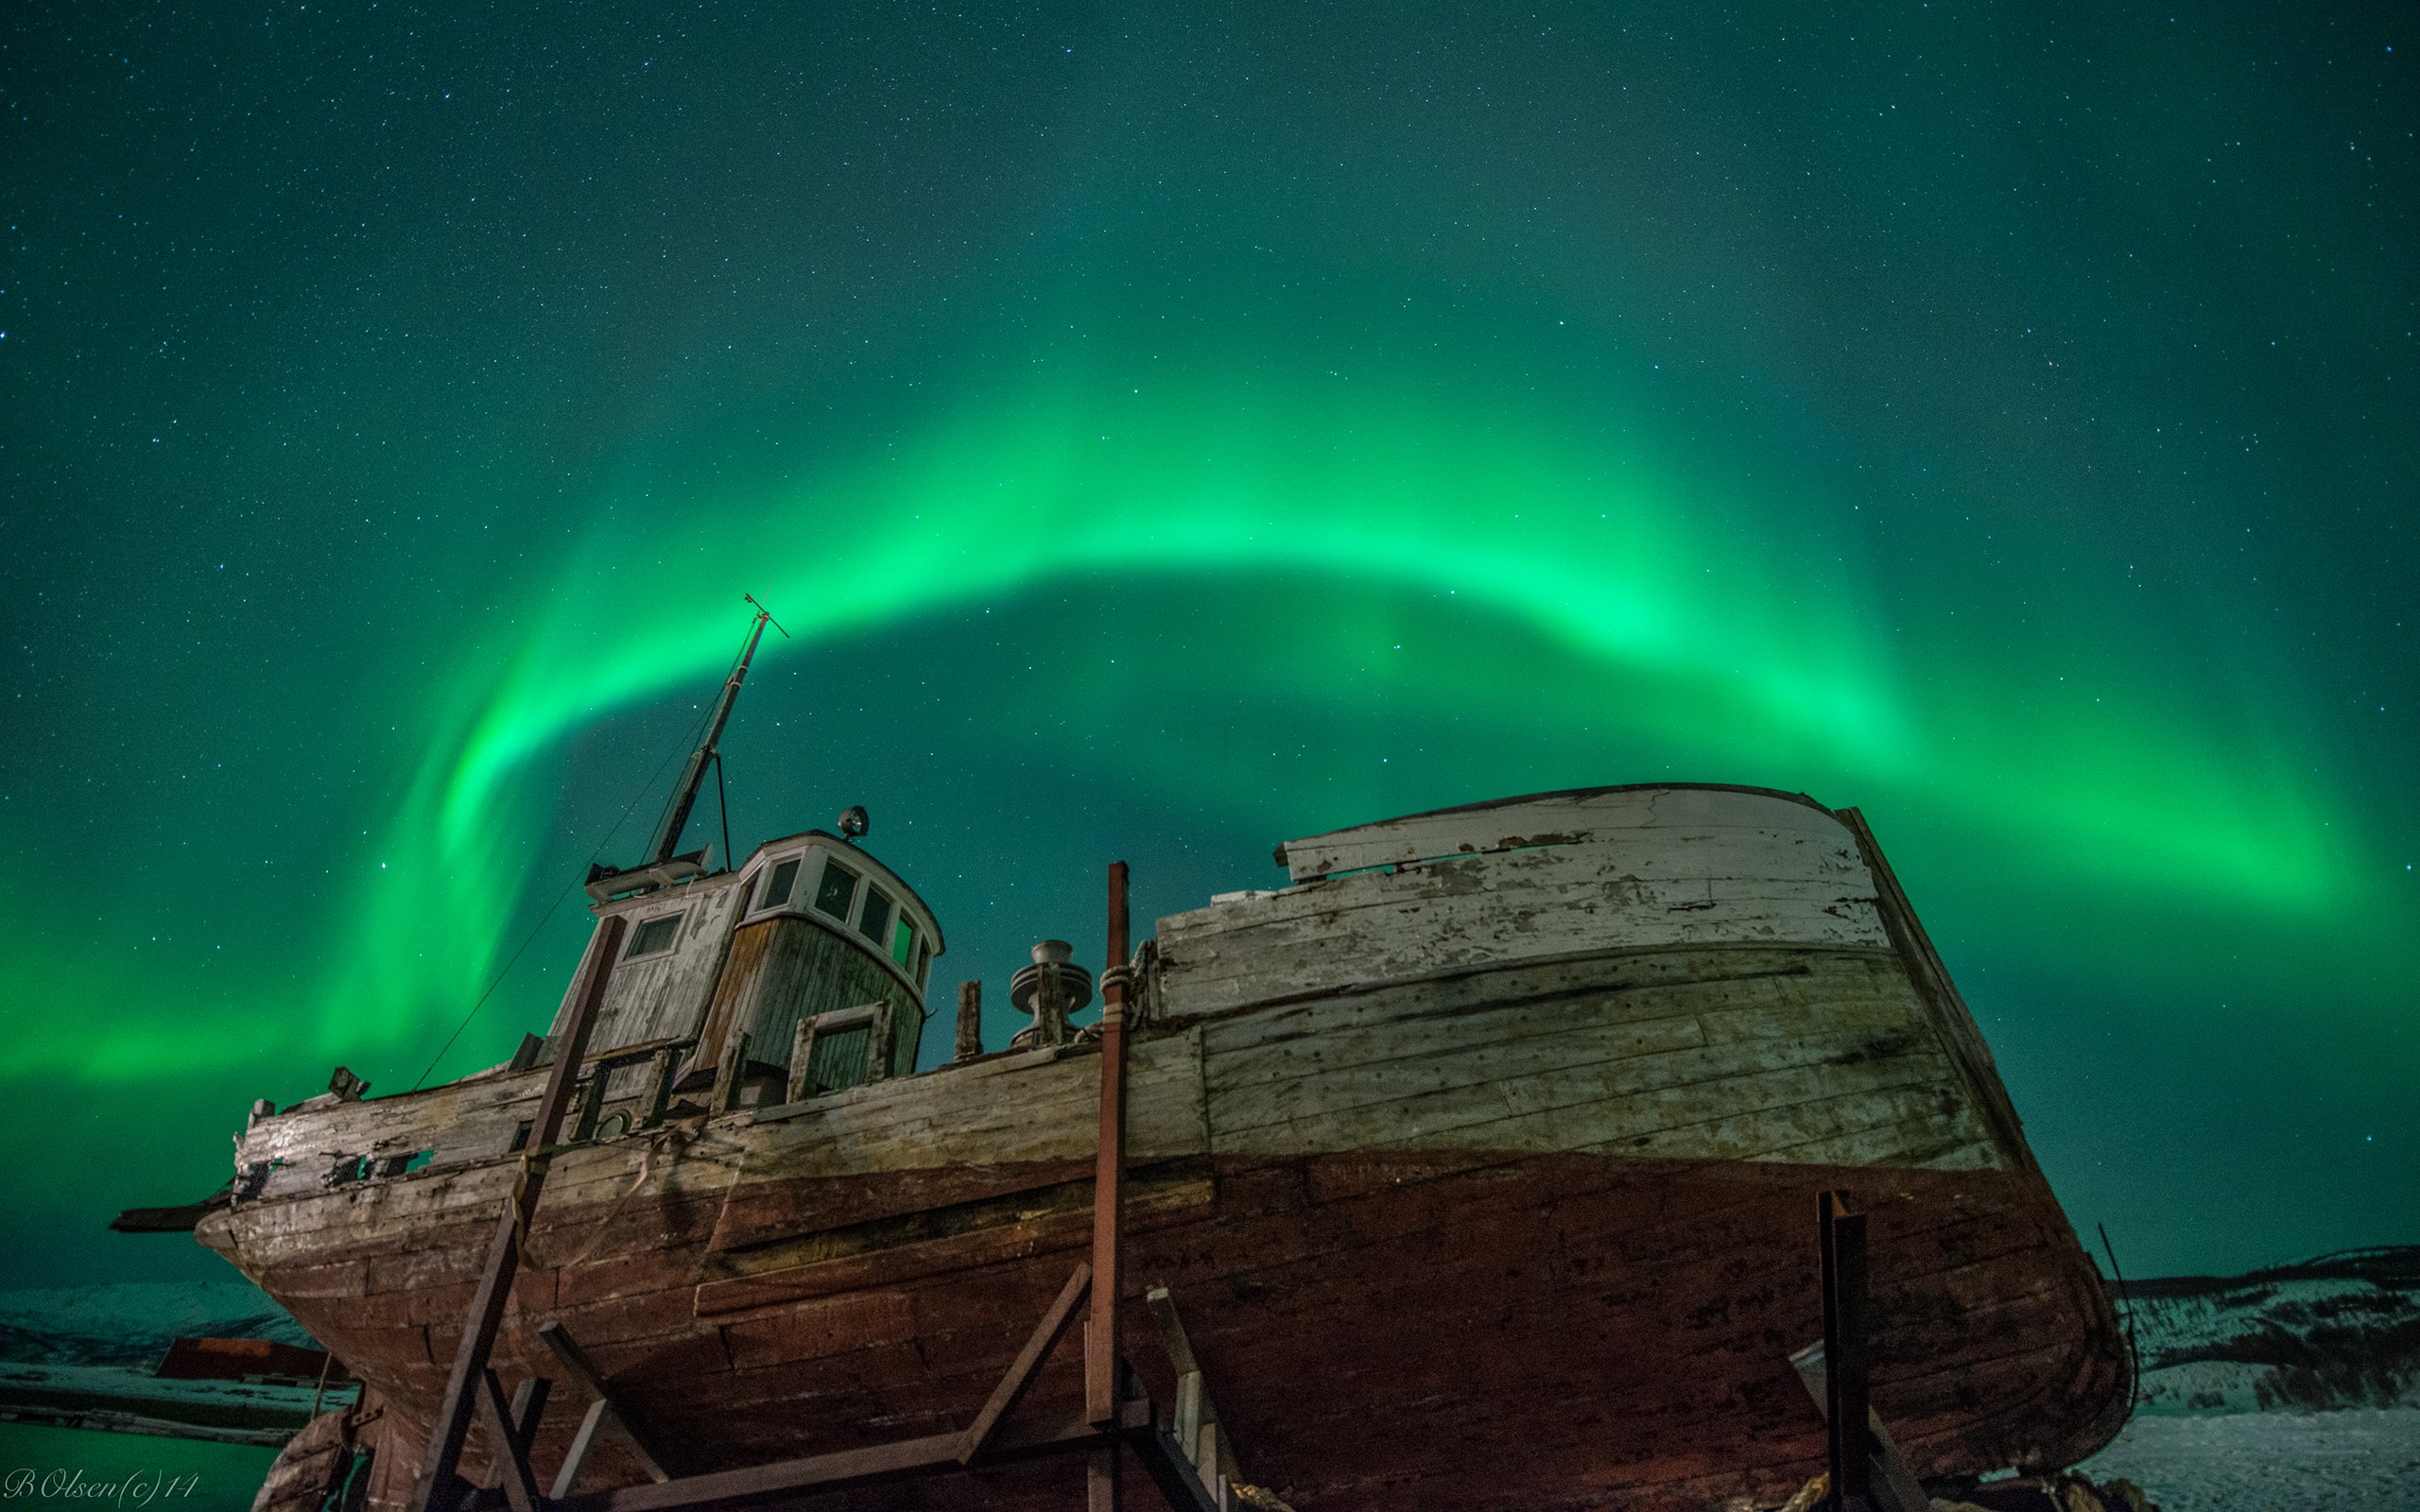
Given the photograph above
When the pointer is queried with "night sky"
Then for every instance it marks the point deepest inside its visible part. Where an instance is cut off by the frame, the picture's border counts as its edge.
(1170, 429)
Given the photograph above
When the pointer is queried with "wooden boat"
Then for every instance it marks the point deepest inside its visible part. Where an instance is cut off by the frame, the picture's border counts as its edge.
(1483, 1155)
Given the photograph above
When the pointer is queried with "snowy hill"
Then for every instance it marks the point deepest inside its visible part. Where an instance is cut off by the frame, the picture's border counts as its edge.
(2337, 1330)
(83, 1357)
(130, 1323)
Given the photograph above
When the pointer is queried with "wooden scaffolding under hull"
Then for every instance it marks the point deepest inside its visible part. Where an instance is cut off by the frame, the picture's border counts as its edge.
(1183, 1450)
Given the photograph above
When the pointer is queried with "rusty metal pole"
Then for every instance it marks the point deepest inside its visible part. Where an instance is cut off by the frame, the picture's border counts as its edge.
(1109, 1171)
(463, 1382)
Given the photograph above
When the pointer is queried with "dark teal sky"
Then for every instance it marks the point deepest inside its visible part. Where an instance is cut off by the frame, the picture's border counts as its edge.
(1170, 429)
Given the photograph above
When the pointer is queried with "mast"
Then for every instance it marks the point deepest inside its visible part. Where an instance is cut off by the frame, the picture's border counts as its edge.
(662, 865)
(684, 796)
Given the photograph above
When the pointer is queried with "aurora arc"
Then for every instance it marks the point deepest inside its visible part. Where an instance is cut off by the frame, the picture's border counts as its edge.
(1601, 550)
(1390, 489)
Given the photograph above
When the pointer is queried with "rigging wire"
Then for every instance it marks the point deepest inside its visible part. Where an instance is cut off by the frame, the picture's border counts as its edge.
(529, 938)
(722, 806)
(2133, 1359)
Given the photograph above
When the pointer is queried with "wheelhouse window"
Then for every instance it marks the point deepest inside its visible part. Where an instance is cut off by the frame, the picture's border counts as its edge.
(923, 963)
(778, 885)
(876, 923)
(653, 936)
(903, 943)
(838, 891)
(836, 1059)
(844, 1048)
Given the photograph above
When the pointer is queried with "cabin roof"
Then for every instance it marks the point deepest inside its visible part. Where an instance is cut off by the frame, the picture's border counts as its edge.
(861, 857)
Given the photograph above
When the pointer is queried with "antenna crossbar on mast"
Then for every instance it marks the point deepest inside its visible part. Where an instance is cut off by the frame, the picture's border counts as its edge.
(662, 865)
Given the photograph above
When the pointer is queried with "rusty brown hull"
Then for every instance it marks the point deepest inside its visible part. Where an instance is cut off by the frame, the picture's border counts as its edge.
(1374, 1329)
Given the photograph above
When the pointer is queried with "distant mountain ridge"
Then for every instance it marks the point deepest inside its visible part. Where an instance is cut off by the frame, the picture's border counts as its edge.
(2333, 1330)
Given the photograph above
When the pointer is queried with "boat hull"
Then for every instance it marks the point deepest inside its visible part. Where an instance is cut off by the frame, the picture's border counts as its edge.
(1483, 1171)
(767, 1284)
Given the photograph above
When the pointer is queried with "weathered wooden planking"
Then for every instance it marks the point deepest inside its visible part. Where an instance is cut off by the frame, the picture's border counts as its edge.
(787, 968)
(1521, 905)
(1698, 975)
(1910, 1125)
(460, 1122)
(1768, 998)
(294, 1152)
(1298, 1052)
(1038, 1105)
(1942, 999)
(664, 995)
(965, 1236)
(1474, 910)
(1603, 815)
(1671, 1103)
(1767, 1063)
(1275, 1285)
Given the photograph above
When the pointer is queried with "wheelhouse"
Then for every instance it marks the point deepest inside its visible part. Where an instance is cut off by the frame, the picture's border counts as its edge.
(799, 972)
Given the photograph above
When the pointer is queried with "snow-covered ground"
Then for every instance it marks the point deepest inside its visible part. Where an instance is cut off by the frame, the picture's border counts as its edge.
(2357, 1459)
(2334, 1331)
(2234, 1365)
(82, 1357)
(100, 1396)
(131, 1323)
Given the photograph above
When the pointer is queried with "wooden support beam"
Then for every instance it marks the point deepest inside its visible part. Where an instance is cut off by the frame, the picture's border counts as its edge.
(1216, 1455)
(453, 1420)
(1195, 1431)
(529, 1403)
(583, 1443)
(532, 1046)
(592, 1106)
(1895, 1483)
(1022, 1370)
(970, 1021)
(575, 1365)
(1170, 1471)
(512, 1450)
(1846, 1404)
(663, 1066)
(802, 1054)
(1188, 1427)
(731, 1074)
(1103, 1473)
(1172, 1334)
(1109, 1172)
(882, 1463)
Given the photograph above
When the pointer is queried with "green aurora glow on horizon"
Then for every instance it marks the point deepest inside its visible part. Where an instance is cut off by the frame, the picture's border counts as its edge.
(1178, 488)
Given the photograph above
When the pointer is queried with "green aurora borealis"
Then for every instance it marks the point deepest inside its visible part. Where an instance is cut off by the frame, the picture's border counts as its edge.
(1166, 432)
